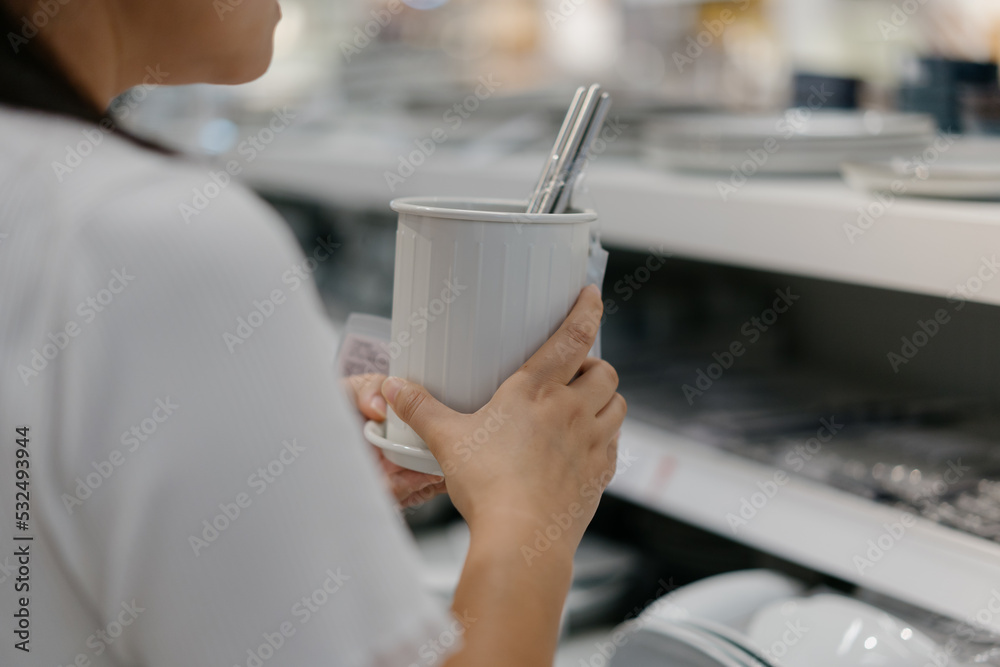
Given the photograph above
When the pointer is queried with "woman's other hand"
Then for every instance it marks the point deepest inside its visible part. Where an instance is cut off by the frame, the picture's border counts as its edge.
(410, 488)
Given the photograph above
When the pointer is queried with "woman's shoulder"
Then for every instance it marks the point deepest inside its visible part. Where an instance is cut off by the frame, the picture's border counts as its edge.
(85, 179)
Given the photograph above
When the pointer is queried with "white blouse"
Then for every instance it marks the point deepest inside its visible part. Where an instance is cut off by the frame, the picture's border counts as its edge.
(192, 481)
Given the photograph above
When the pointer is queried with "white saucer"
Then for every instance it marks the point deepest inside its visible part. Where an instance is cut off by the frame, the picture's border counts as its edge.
(407, 456)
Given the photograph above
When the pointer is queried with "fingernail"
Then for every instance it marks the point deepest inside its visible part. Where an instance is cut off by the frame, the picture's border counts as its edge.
(378, 405)
(391, 387)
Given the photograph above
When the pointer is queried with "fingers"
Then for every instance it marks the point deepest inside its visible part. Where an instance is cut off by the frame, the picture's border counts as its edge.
(415, 406)
(559, 359)
(367, 395)
(407, 485)
(612, 415)
(596, 383)
(423, 495)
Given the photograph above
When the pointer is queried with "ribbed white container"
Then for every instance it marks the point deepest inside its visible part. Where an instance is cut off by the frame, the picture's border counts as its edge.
(479, 286)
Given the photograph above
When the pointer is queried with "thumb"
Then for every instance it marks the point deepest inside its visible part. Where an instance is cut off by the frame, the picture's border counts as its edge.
(415, 406)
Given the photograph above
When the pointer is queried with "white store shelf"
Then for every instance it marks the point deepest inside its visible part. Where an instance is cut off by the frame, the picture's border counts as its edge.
(929, 565)
(786, 225)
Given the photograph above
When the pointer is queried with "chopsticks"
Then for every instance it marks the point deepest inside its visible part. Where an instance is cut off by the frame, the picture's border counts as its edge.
(584, 120)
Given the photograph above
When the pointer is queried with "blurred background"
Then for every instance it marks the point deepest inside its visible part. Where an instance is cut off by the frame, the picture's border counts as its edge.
(338, 59)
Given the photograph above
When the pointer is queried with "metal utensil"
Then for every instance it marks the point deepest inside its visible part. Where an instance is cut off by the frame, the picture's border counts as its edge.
(548, 171)
(582, 155)
(568, 157)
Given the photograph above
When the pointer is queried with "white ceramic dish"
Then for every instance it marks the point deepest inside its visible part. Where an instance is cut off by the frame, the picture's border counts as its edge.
(947, 179)
(416, 457)
(730, 599)
(798, 124)
(670, 644)
(793, 143)
(738, 639)
(836, 631)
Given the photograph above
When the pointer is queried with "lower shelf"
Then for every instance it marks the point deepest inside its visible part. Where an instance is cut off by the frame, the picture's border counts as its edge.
(874, 546)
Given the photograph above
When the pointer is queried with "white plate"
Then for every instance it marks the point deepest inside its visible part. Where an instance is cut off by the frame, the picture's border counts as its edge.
(670, 644)
(817, 144)
(804, 125)
(737, 639)
(836, 631)
(729, 599)
(950, 180)
(406, 456)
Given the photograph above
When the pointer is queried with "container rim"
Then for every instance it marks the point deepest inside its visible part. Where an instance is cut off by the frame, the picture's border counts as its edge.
(472, 209)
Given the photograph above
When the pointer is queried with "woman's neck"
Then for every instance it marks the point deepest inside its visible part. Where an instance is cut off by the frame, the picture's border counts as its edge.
(88, 43)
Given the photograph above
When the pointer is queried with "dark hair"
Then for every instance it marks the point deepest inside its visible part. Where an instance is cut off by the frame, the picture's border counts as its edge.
(31, 78)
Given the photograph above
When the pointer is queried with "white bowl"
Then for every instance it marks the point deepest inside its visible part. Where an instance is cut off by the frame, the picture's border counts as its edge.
(836, 631)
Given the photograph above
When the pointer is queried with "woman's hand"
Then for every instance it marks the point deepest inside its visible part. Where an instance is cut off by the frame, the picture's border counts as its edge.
(409, 487)
(539, 455)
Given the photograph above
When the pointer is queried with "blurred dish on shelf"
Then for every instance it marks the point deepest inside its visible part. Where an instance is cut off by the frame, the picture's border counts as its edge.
(778, 624)
(799, 141)
(944, 178)
(834, 631)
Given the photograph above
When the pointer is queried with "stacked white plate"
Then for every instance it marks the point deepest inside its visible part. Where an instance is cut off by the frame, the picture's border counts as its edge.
(953, 175)
(699, 624)
(758, 618)
(799, 141)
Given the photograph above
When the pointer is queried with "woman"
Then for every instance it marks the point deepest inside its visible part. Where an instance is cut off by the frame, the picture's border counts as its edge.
(181, 502)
